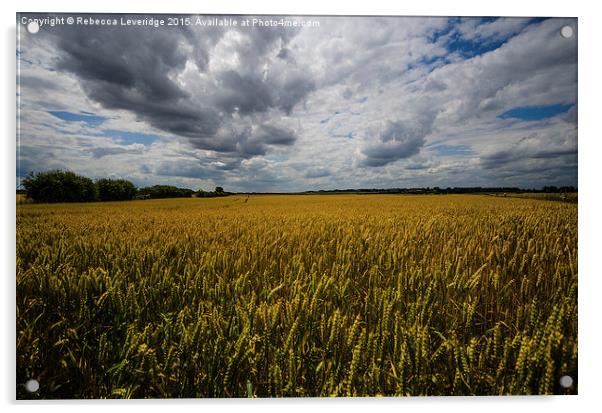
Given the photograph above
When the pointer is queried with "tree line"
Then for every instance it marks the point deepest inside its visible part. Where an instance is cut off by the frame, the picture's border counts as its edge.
(450, 190)
(67, 186)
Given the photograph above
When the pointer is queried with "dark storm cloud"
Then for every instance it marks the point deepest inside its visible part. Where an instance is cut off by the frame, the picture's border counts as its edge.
(137, 69)
(245, 94)
(293, 90)
(285, 54)
(317, 173)
(264, 136)
(503, 158)
(397, 140)
(138, 61)
(101, 152)
(537, 146)
(534, 172)
(273, 135)
(248, 94)
(130, 71)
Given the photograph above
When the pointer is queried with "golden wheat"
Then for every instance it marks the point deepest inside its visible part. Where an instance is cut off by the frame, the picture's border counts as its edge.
(297, 296)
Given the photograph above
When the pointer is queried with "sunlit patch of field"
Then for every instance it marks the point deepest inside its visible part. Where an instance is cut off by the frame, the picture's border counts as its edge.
(564, 197)
(22, 199)
(297, 296)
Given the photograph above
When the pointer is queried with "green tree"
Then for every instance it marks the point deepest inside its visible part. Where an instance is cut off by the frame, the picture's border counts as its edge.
(166, 191)
(115, 189)
(59, 186)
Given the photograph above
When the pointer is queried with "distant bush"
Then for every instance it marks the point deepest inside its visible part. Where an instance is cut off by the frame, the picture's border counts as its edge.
(166, 191)
(115, 189)
(219, 191)
(59, 186)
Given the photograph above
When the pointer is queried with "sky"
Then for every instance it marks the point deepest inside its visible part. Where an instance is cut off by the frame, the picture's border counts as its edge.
(320, 103)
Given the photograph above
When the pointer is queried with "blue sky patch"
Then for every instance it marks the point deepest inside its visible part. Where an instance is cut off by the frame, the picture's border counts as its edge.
(535, 112)
(471, 48)
(129, 138)
(90, 119)
(468, 49)
(276, 158)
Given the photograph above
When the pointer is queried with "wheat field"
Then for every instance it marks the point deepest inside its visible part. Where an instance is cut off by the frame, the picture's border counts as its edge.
(270, 296)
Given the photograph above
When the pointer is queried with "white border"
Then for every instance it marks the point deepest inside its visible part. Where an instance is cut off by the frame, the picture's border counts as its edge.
(589, 206)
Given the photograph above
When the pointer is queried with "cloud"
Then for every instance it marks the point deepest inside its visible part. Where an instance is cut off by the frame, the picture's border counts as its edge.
(186, 169)
(244, 94)
(317, 172)
(134, 149)
(201, 90)
(395, 140)
(543, 145)
(273, 135)
(35, 159)
(525, 69)
(355, 102)
(491, 30)
(37, 83)
(536, 68)
(258, 140)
